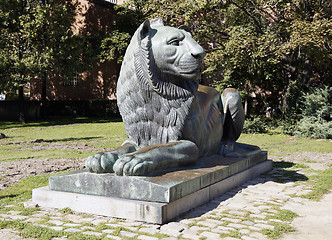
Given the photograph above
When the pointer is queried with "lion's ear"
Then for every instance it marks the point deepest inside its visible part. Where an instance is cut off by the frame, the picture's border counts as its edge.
(143, 30)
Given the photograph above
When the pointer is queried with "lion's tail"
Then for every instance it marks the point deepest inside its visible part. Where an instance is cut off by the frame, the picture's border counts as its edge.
(233, 114)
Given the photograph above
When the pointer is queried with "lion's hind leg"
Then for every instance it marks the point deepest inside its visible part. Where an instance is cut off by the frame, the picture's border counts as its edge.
(233, 120)
(104, 162)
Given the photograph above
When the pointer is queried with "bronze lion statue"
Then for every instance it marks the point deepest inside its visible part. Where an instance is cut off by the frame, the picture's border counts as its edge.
(170, 120)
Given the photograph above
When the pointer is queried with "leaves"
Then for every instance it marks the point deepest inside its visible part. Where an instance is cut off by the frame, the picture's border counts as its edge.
(114, 46)
(36, 39)
(277, 46)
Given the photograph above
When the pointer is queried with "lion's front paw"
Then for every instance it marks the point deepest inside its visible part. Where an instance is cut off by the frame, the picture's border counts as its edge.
(132, 166)
(101, 162)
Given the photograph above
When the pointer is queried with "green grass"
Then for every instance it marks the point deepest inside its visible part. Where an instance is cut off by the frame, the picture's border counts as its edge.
(27, 230)
(22, 191)
(109, 135)
(281, 143)
(21, 143)
(321, 184)
(278, 231)
(66, 210)
(284, 215)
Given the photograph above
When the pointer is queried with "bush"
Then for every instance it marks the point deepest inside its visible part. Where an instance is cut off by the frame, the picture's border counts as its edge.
(309, 127)
(316, 114)
(256, 125)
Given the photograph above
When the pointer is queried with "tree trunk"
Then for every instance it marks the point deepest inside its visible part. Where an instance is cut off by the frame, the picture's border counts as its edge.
(43, 97)
(21, 114)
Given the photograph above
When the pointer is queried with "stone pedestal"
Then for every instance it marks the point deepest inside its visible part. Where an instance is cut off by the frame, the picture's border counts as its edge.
(155, 199)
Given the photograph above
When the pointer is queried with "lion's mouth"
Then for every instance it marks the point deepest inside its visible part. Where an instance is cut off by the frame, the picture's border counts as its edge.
(196, 70)
(190, 67)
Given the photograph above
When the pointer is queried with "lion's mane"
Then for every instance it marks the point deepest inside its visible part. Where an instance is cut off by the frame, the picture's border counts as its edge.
(153, 109)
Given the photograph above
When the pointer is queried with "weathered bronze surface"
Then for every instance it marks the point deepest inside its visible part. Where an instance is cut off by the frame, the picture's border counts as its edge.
(170, 120)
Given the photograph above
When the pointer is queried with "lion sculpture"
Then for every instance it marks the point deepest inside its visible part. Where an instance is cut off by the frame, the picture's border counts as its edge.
(170, 120)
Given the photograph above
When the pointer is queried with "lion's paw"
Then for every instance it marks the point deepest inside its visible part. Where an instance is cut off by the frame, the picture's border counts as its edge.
(132, 166)
(101, 162)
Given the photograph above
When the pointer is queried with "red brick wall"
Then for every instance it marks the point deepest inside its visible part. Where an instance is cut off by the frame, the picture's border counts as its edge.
(98, 83)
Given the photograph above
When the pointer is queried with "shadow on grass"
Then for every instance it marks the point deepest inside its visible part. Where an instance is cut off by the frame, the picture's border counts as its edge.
(8, 196)
(56, 121)
(283, 175)
(65, 139)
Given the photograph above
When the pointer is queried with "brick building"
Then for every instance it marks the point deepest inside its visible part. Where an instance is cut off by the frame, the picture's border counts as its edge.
(100, 81)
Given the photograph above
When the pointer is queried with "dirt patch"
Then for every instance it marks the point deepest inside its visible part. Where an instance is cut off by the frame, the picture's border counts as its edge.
(314, 160)
(12, 172)
(40, 144)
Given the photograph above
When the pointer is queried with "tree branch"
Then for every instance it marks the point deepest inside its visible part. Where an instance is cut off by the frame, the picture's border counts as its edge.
(250, 15)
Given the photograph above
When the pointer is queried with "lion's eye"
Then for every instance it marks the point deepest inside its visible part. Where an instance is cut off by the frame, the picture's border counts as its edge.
(174, 42)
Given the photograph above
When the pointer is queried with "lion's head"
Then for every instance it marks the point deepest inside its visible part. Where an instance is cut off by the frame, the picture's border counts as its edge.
(176, 54)
(158, 81)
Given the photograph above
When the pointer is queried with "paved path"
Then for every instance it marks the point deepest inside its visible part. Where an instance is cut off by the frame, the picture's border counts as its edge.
(246, 212)
(315, 221)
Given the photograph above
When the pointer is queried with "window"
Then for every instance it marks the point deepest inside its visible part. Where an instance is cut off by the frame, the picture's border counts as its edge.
(72, 81)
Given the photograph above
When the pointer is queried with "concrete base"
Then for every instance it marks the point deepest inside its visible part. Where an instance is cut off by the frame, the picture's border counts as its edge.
(147, 211)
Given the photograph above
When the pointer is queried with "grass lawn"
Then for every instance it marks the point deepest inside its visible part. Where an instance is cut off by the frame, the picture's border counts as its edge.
(44, 140)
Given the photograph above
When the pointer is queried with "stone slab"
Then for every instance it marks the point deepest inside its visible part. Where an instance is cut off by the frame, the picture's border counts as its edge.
(163, 187)
(147, 211)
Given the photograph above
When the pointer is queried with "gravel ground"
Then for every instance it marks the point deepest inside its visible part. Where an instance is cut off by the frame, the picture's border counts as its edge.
(12, 172)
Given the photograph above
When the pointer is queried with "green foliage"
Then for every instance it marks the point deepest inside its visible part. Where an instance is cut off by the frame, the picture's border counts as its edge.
(114, 46)
(254, 126)
(277, 47)
(308, 127)
(317, 103)
(36, 39)
(316, 116)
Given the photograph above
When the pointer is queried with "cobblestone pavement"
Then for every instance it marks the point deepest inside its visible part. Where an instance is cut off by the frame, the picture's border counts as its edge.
(251, 211)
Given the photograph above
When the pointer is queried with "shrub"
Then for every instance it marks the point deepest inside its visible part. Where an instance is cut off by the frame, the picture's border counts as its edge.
(256, 125)
(316, 114)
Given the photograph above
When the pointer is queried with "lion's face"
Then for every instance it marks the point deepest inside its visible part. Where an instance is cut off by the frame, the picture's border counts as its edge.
(177, 54)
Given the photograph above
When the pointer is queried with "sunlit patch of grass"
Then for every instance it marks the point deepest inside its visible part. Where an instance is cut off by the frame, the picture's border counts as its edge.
(281, 143)
(103, 134)
(66, 210)
(284, 215)
(28, 230)
(279, 229)
(22, 190)
(321, 184)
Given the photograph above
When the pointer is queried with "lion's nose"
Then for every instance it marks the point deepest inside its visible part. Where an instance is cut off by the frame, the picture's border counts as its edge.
(197, 51)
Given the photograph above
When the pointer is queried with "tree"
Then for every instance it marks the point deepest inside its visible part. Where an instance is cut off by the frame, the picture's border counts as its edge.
(279, 46)
(36, 39)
